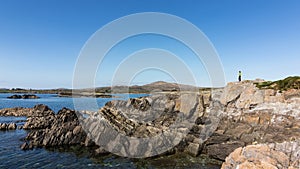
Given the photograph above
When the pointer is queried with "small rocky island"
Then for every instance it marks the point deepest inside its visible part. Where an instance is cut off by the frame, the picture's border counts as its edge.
(249, 124)
(24, 96)
(84, 94)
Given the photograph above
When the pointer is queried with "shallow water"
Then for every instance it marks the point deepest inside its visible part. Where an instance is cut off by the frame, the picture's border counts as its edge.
(11, 156)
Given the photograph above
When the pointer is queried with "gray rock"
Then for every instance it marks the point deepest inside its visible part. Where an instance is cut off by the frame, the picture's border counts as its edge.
(193, 149)
(12, 126)
(221, 151)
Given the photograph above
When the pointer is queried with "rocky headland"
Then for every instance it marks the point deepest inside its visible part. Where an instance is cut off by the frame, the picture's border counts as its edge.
(242, 125)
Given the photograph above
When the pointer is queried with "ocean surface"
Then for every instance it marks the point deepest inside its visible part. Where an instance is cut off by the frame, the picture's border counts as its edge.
(11, 156)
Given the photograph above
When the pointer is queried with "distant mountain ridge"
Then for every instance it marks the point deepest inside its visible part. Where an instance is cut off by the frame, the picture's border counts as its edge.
(147, 88)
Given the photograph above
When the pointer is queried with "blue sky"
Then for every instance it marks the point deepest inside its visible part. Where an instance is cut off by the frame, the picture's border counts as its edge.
(41, 40)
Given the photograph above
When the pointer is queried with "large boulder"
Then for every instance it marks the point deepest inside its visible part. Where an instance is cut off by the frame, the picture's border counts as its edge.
(232, 92)
(275, 155)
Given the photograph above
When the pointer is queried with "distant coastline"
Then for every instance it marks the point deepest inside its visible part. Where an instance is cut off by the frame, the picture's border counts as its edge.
(159, 86)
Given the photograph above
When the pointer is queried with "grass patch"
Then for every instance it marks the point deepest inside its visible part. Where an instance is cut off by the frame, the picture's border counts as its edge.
(292, 82)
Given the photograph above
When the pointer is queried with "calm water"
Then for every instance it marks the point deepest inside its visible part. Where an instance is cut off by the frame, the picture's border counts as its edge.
(11, 156)
(56, 103)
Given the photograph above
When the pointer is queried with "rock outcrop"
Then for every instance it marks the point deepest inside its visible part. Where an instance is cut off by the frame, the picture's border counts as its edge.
(8, 126)
(54, 130)
(40, 117)
(215, 123)
(39, 110)
(252, 116)
(284, 155)
(136, 120)
(16, 111)
(24, 96)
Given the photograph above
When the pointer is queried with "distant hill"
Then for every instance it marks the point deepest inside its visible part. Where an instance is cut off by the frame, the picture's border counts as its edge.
(292, 82)
(158, 86)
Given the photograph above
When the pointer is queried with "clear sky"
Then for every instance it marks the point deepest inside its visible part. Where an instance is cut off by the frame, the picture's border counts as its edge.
(41, 40)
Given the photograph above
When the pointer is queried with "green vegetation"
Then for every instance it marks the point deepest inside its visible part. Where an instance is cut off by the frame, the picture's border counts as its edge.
(292, 82)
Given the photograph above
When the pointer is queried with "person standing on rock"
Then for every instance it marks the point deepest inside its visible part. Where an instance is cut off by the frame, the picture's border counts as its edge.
(240, 76)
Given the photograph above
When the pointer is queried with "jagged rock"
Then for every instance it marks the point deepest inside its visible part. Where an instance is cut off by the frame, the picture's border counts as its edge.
(54, 130)
(12, 126)
(40, 117)
(249, 97)
(232, 92)
(8, 126)
(239, 115)
(275, 155)
(24, 146)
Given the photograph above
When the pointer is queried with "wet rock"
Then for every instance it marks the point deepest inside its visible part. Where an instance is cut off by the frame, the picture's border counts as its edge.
(24, 146)
(12, 126)
(3, 126)
(30, 96)
(15, 97)
(25, 96)
(89, 142)
(100, 151)
(8, 126)
(221, 151)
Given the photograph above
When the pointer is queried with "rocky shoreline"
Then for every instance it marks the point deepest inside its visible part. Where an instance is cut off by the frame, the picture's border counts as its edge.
(238, 125)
